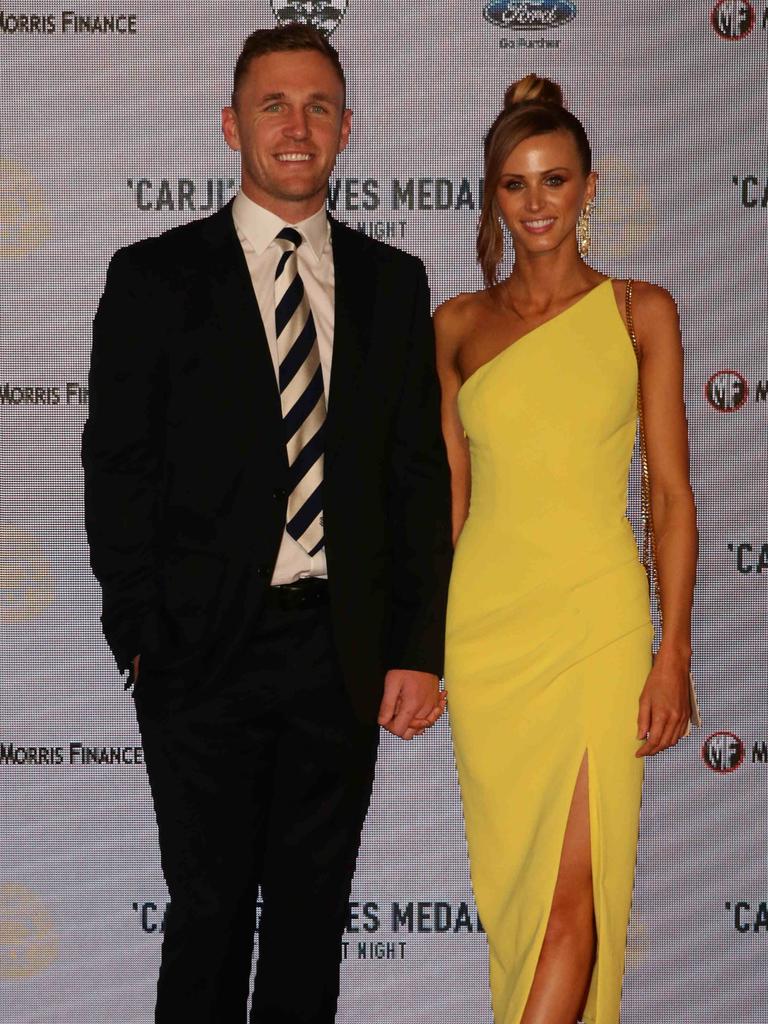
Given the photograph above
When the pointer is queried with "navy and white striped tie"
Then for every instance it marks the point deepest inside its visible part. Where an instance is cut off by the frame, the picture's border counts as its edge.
(301, 396)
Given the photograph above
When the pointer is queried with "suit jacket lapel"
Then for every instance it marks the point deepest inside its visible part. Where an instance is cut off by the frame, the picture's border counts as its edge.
(354, 288)
(243, 329)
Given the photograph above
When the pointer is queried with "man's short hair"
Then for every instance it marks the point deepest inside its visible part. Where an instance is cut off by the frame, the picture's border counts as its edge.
(282, 39)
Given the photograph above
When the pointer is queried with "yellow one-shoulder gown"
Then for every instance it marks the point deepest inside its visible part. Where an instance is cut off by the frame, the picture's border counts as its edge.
(549, 638)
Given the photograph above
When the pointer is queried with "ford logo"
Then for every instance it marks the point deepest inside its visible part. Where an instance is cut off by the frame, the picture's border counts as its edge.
(529, 14)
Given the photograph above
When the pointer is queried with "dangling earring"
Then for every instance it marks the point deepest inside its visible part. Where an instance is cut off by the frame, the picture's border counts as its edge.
(510, 254)
(583, 231)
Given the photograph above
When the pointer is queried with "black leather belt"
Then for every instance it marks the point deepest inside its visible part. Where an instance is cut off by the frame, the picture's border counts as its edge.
(307, 593)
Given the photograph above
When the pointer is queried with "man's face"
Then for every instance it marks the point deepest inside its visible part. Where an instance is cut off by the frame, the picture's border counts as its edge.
(289, 125)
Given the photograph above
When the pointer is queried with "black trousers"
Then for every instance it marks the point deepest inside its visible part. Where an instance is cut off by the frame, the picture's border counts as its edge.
(261, 783)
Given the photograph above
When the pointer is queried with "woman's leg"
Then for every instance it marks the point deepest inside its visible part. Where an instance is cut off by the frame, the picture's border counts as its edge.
(564, 970)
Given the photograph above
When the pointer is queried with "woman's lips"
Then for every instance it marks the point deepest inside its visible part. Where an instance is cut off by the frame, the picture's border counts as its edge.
(539, 226)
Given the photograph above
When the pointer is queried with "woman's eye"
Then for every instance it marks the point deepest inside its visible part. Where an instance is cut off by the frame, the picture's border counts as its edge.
(513, 185)
(555, 180)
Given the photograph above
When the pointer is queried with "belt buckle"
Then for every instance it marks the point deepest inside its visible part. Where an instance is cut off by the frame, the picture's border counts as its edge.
(301, 593)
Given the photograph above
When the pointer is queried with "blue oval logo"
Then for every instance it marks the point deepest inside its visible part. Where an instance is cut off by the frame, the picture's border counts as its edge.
(529, 15)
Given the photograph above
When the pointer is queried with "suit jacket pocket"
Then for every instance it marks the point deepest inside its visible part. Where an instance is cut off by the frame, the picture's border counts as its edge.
(190, 610)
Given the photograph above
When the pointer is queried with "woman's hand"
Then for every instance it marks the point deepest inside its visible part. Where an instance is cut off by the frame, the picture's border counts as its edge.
(420, 725)
(665, 704)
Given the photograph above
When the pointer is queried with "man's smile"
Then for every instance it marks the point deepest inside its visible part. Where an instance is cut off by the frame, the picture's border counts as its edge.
(293, 157)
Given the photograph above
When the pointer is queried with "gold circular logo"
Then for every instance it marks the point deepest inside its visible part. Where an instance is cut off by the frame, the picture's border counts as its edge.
(624, 212)
(637, 942)
(28, 939)
(24, 222)
(26, 581)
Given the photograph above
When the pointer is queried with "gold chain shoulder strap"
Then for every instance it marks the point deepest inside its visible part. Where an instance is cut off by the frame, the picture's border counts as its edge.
(649, 536)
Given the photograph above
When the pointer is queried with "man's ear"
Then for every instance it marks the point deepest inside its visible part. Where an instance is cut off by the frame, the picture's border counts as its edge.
(346, 128)
(230, 128)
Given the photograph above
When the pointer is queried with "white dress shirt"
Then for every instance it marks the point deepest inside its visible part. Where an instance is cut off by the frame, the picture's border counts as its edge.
(257, 229)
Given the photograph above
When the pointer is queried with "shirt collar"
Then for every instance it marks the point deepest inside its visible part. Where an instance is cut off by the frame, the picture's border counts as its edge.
(260, 226)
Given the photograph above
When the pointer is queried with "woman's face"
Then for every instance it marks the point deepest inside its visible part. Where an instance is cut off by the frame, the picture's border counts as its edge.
(542, 190)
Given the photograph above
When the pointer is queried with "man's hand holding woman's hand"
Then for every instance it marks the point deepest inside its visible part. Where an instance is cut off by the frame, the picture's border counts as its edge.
(412, 702)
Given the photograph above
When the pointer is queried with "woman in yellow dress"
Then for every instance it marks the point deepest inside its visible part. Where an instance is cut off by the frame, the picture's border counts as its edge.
(553, 694)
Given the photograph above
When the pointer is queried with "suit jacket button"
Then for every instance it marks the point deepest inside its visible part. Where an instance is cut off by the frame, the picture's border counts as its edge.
(262, 570)
(279, 493)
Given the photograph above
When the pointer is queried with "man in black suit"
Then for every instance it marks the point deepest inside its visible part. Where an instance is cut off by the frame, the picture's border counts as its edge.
(267, 505)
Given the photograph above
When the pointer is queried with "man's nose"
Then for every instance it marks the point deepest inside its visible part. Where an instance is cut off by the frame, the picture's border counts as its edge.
(297, 125)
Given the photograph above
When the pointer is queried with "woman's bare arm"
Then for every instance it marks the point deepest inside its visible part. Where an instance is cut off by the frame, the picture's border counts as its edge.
(673, 510)
(448, 333)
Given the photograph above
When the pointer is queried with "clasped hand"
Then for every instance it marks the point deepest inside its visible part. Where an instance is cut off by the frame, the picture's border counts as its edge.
(412, 702)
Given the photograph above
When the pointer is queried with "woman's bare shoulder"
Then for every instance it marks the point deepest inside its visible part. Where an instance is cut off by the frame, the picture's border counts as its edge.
(454, 319)
(655, 316)
(455, 312)
(649, 299)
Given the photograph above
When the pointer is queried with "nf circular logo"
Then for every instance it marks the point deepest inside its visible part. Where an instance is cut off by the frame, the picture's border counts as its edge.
(26, 581)
(727, 391)
(28, 940)
(723, 752)
(23, 217)
(733, 19)
(529, 14)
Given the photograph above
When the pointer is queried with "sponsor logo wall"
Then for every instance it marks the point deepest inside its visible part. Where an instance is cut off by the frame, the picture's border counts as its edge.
(110, 134)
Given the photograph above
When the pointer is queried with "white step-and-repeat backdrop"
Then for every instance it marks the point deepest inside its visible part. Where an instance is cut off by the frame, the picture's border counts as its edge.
(110, 133)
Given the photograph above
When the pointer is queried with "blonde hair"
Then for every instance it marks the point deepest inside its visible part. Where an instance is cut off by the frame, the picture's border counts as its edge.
(532, 106)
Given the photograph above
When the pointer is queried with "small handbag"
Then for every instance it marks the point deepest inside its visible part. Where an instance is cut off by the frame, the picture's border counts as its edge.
(649, 538)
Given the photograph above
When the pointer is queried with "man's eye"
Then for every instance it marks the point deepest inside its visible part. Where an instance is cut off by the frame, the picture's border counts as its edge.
(274, 107)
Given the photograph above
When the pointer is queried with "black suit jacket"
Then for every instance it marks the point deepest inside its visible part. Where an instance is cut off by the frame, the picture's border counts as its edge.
(186, 472)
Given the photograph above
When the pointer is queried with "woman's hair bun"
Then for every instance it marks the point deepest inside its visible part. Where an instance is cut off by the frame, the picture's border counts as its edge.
(533, 89)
